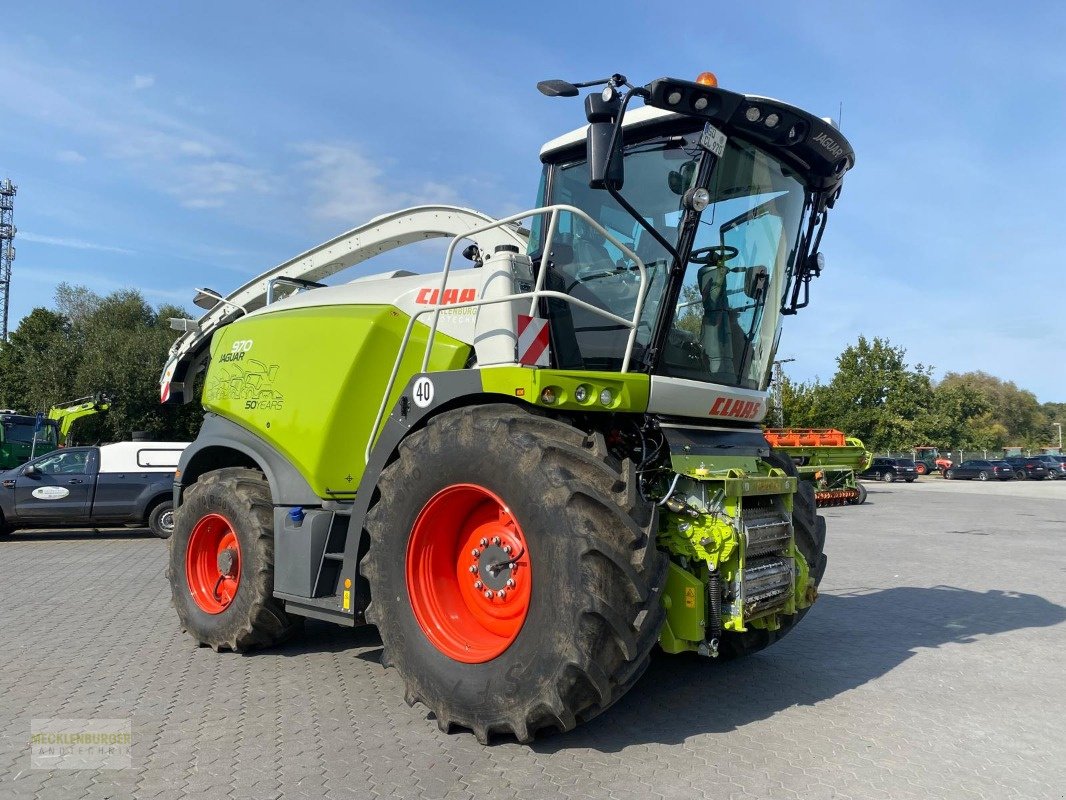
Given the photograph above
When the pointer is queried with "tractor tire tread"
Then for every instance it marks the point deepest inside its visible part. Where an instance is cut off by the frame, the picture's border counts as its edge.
(264, 622)
(615, 620)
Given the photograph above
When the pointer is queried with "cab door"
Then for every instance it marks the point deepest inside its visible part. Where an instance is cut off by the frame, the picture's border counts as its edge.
(56, 488)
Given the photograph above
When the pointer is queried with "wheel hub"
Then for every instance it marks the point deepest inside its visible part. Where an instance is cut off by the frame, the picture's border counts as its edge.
(227, 562)
(495, 567)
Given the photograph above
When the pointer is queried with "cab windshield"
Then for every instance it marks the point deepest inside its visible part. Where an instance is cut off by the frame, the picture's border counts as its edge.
(725, 324)
(22, 431)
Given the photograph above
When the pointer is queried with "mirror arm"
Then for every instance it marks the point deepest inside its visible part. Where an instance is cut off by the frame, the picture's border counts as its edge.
(615, 133)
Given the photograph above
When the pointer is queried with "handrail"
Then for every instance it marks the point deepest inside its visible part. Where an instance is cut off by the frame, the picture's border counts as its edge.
(534, 297)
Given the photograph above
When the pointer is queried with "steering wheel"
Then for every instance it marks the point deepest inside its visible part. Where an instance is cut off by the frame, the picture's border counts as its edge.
(715, 254)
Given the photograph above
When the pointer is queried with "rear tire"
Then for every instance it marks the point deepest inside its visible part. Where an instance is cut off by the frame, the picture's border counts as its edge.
(161, 520)
(234, 501)
(888, 477)
(1021, 475)
(920, 468)
(982, 476)
(858, 501)
(809, 530)
(594, 612)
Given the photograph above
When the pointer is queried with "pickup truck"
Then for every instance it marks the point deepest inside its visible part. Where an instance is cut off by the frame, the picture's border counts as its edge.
(114, 484)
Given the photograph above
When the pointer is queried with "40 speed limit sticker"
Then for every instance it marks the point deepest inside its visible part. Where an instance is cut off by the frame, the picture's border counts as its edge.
(422, 392)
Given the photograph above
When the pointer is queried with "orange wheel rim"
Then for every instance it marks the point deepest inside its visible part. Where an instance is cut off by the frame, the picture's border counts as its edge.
(213, 563)
(468, 573)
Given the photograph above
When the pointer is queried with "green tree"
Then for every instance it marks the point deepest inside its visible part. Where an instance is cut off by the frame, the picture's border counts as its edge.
(90, 343)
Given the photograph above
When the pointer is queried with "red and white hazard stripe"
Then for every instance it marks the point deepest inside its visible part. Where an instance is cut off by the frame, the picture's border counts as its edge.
(533, 341)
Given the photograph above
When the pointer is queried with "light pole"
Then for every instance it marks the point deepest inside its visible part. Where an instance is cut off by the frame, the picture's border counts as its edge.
(1059, 426)
(779, 376)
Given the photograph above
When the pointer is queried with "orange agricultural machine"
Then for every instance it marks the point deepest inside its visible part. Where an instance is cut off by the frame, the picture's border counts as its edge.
(827, 458)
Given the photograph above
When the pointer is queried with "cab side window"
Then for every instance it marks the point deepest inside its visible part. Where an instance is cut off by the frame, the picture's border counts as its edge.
(71, 462)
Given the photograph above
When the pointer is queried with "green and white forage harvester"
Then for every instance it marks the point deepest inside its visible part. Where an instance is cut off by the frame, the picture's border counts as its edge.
(529, 471)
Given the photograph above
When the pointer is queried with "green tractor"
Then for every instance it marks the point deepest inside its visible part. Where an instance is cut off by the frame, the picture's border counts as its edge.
(24, 436)
(529, 471)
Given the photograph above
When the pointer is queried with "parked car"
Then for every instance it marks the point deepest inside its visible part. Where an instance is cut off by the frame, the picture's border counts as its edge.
(891, 469)
(123, 483)
(981, 469)
(1056, 465)
(1027, 467)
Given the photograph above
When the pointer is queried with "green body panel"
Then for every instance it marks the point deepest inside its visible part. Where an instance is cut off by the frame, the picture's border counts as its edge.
(629, 391)
(685, 600)
(854, 456)
(310, 382)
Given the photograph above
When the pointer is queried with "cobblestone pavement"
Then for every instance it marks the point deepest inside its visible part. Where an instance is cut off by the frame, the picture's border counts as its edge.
(931, 667)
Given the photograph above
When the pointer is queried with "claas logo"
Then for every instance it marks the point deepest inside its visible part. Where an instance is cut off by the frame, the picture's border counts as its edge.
(741, 409)
(428, 297)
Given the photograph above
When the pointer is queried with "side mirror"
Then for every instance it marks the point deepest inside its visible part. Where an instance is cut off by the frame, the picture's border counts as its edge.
(815, 264)
(31, 471)
(603, 110)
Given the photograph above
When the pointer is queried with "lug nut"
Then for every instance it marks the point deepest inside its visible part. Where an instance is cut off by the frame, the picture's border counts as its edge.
(478, 585)
(484, 542)
(489, 595)
(510, 583)
(496, 540)
(507, 549)
(473, 569)
(503, 594)
(475, 552)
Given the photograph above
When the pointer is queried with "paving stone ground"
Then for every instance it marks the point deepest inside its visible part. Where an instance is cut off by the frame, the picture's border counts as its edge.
(933, 666)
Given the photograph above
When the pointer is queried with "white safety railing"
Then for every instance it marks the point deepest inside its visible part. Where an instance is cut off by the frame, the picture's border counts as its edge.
(535, 296)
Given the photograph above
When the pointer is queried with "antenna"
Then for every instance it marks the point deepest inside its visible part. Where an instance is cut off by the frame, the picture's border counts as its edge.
(7, 250)
(840, 117)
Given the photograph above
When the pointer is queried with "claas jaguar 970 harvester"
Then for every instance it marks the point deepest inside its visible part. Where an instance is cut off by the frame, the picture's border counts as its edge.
(529, 471)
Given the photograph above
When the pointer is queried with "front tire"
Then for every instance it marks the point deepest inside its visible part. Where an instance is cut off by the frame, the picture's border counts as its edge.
(161, 520)
(581, 634)
(949, 474)
(222, 563)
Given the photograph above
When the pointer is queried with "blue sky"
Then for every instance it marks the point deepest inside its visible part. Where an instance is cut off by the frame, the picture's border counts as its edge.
(169, 146)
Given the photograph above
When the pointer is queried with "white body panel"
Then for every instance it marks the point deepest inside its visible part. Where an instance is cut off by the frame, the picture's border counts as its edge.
(685, 398)
(141, 456)
(490, 328)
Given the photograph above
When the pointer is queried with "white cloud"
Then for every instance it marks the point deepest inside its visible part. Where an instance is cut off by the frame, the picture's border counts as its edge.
(347, 185)
(70, 157)
(208, 185)
(164, 150)
(193, 148)
(76, 244)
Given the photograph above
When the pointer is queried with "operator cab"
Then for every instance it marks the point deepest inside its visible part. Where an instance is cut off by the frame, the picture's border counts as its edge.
(728, 210)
